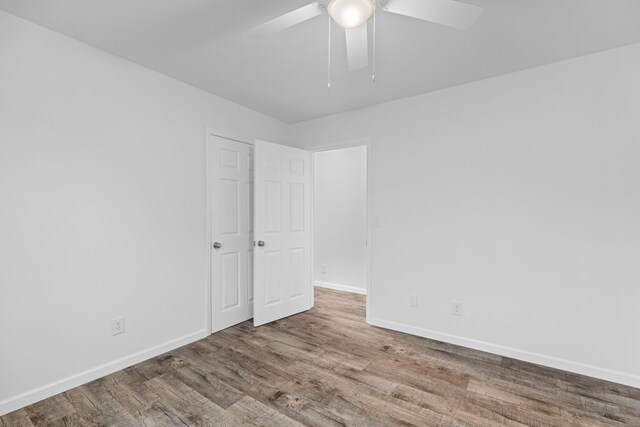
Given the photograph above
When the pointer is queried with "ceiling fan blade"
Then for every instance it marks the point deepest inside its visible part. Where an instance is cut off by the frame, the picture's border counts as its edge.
(287, 20)
(451, 13)
(357, 47)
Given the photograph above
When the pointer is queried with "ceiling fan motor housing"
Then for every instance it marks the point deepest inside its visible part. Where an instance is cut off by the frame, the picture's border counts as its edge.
(351, 13)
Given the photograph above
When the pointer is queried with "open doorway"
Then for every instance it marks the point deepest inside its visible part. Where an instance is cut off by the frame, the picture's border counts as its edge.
(341, 240)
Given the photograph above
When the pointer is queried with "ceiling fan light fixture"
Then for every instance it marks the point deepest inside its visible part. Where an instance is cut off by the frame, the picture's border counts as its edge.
(351, 13)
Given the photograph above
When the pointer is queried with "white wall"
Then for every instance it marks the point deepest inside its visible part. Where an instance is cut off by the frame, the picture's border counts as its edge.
(102, 209)
(518, 196)
(340, 207)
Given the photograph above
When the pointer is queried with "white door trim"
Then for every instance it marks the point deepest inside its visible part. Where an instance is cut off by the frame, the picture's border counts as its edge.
(366, 142)
(211, 133)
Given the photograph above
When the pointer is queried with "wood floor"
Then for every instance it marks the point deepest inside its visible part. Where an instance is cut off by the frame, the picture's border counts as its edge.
(327, 367)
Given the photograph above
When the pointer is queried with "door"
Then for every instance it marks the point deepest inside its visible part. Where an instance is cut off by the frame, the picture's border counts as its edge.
(282, 282)
(231, 199)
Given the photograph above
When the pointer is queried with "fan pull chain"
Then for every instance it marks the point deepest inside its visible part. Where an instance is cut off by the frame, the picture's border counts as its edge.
(329, 57)
(373, 76)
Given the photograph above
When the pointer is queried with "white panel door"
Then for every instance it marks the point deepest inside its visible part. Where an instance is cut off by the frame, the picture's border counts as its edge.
(231, 232)
(282, 281)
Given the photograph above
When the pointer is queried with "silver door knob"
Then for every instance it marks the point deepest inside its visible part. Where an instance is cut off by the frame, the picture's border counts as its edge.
(217, 245)
(260, 243)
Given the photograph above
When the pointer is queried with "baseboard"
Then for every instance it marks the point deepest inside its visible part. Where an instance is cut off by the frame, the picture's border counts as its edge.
(539, 359)
(343, 288)
(51, 389)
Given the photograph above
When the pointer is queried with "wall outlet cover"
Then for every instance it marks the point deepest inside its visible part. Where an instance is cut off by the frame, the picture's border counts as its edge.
(117, 326)
(413, 301)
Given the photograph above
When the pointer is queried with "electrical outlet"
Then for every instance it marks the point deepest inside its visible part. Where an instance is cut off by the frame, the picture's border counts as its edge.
(117, 326)
(413, 301)
(324, 268)
(456, 308)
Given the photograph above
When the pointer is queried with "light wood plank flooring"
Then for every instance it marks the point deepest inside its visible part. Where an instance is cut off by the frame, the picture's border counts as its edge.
(327, 367)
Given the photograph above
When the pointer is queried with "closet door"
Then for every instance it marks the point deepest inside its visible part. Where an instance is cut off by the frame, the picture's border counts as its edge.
(231, 199)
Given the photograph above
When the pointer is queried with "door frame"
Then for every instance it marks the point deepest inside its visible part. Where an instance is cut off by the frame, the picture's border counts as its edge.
(212, 133)
(360, 142)
(367, 142)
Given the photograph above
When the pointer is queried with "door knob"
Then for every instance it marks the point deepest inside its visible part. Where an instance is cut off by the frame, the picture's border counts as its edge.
(260, 243)
(217, 245)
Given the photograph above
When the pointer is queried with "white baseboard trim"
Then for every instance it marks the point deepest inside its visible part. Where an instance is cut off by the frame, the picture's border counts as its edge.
(343, 288)
(539, 359)
(51, 389)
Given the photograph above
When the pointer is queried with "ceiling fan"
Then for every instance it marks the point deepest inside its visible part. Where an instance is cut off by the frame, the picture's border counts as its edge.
(353, 16)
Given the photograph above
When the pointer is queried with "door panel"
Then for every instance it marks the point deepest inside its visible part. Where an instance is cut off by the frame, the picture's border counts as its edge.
(231, 198)
(230, 211)
(230, 266)
(250, 275)
(282, 275)
(296, 216)
(272, 278)
(297, 262)
(273, 204)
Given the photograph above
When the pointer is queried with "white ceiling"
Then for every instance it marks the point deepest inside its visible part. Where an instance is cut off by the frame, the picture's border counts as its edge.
(203, 43)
